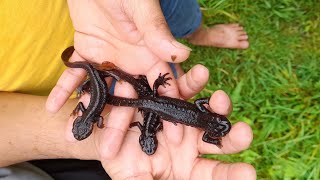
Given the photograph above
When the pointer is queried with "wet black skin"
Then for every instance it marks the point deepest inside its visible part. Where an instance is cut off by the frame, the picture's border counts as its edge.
(151, 121)
(152, 106)
(98, 89)
(96, 86)
(169, 109)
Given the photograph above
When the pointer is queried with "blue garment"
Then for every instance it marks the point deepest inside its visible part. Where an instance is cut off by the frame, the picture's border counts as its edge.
(183, 16)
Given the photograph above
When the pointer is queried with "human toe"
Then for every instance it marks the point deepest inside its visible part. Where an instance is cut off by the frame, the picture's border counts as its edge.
(243, 37)
(243, 44)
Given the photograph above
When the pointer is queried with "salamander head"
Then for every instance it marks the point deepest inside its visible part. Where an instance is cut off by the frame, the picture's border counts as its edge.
(148, 143)
(81, 128)
(218, 125)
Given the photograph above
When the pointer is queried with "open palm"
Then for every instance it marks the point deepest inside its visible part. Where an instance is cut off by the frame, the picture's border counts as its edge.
(126, 33)
(134, 36)
(176, 162)
(122, 157)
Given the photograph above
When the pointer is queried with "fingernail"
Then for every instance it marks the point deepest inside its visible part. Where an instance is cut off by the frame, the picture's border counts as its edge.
(180, 45)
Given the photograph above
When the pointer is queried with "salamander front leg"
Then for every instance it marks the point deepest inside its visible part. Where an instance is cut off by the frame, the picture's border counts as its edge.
(142, 86)
(160, 81)
(138, 124)
(79, 107)
(200, 104)
(85, 87)
(207, 137)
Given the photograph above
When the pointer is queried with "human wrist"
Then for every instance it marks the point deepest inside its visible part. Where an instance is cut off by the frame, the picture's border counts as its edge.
(85, 149)
(29, 132)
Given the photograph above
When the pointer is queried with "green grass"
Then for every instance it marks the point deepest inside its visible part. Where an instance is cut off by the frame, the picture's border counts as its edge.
(274, 85)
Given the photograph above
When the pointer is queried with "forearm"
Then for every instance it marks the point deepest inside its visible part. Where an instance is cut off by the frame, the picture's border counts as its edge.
(29, 132)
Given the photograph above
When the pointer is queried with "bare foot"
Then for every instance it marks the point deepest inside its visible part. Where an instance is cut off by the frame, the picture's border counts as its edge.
(221, 35)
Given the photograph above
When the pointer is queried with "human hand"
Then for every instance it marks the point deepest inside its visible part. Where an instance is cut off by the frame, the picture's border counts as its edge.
(125, 159)
(131, 34)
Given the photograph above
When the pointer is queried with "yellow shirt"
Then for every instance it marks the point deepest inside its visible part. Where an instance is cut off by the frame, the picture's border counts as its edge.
(33, 34)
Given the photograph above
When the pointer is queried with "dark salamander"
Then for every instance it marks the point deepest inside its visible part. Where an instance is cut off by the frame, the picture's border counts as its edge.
(151, 121)
(98, 89)
(179, 111)
(96, 86)
(170, 109)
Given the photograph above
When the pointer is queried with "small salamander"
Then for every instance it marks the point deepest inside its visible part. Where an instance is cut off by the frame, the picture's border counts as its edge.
(151, 121)
(170, 109)
(178, 111)
(98, 89)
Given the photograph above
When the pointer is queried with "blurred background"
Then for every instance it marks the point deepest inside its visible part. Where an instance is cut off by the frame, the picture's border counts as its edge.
(274, 85)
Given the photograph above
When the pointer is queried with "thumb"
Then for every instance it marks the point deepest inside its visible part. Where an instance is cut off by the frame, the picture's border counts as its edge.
(151, 23)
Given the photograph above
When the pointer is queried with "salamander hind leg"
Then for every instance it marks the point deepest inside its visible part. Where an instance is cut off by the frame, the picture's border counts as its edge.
(159, 127)
(207, 137)
(79, 107)
(81, 128)
(141, 86)
(138, 124)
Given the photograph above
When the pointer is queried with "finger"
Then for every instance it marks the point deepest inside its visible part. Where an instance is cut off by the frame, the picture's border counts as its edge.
(220, 103)
(96, 48)
(173, 132)
(162, 68)
(131, 162)
(70, 79)
(209, 169)
(193, 81)
(117, 124)
(238, 139)
(131, 58)
(151, 22)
